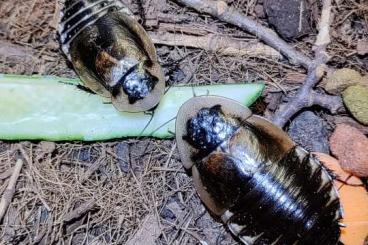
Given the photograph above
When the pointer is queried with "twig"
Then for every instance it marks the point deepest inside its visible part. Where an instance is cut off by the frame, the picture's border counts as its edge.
(316, 67)
(101, 161)
(14, 51)
(305, 96)
(10, 190)
(333, 103)
(6, 174)
(216, 43)
(222, 11)
(187, 29)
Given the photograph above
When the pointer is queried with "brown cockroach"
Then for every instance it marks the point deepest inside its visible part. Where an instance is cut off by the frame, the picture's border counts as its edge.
(112, 53)
(252, 176)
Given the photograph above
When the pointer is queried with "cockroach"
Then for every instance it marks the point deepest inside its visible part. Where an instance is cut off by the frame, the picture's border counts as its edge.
(253, 177)
(112, 53)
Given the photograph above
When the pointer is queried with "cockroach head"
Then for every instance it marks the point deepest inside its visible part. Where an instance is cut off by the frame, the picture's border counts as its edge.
(137, 83)
(209, 128)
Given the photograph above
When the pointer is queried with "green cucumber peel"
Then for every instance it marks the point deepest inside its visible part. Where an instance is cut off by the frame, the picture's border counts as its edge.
(53, 108)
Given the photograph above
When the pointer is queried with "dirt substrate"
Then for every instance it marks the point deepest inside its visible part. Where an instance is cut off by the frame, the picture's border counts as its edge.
(134, 189)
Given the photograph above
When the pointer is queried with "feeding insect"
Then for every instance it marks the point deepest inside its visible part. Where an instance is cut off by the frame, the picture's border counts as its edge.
(112, 53)
(252, 176)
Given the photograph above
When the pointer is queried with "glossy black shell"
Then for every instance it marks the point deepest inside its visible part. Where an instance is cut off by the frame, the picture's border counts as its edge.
(265, 189)
(111, 53)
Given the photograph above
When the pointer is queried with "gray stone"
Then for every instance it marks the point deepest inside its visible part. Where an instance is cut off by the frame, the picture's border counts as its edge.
(290, 18)
(310, 131)
(122, 151)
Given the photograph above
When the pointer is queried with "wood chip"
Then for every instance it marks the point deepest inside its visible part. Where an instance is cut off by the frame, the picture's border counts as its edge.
(148, 232)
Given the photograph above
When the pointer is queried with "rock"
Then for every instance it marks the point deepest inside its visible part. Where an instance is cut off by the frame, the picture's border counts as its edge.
(84, 155)
(47, 146)
(284, 16)
(3, 147)
(259, 11)
(350, 146)
(167, 214)
(347, 120)
(44, 148)
(340, 79)
(362, 47)
(122, 151)
(356, 100)
(177, 75)
(310, 132)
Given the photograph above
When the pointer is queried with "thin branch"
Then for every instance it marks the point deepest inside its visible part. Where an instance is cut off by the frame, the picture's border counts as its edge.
(222, 11)
(316, 68)
(333, 103)
(15, 52)
(305, 96)
(286, 111)
(216, 43)
(10, 190)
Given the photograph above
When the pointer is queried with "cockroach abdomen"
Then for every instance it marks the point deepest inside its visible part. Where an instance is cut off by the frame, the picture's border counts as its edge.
(77, 15)
(280, 206)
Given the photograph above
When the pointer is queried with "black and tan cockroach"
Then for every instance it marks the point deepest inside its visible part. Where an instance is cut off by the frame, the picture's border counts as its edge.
(252, 176)
(112, 53)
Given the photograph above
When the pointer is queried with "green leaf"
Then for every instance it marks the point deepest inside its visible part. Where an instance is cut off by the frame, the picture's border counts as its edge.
(53, 108)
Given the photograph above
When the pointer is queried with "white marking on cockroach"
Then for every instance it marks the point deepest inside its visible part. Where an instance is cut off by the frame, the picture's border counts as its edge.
(72, 5)
(86, 7)
(64, 34)
(121, 68)
(226, 216)
(277, 239)
(100, 13)
(235, 228)
(248, 240)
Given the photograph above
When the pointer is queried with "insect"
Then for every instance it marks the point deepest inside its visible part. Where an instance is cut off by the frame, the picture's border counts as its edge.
(252, 176)
(112, 53)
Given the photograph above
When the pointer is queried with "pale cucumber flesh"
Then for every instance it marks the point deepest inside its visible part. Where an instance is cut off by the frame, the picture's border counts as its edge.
(53, 108)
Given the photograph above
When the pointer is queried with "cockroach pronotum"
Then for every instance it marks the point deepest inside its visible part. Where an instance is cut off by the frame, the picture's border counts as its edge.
(252, 176)
(112, 53)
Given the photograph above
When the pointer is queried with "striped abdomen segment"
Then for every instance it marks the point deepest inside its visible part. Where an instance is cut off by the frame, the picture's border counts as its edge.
(289, 201)
(79, 14)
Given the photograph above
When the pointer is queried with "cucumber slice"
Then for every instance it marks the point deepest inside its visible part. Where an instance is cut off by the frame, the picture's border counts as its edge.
(53, 108)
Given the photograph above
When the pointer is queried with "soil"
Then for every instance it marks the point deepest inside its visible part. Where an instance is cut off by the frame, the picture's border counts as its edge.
(116, 186)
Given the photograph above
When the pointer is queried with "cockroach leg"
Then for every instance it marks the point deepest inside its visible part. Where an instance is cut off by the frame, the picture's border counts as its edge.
(85, 89)
(142, 13)
(171, 132)
(167, 89)
(150, 113)
(80, 87)
(162, 125)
